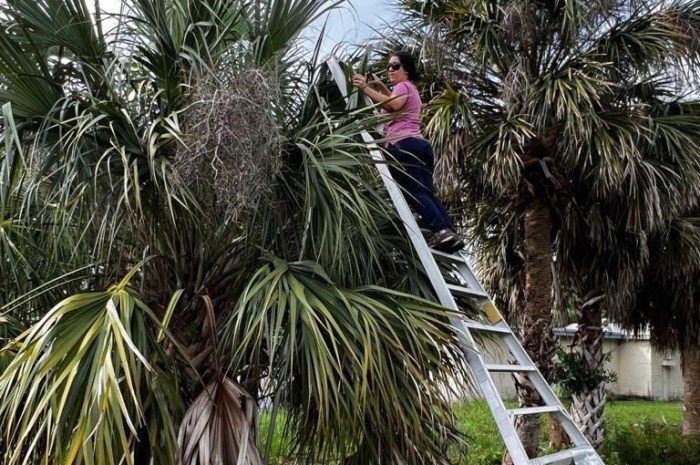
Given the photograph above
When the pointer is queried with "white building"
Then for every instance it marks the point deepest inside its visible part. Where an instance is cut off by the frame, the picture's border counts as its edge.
(642, 371)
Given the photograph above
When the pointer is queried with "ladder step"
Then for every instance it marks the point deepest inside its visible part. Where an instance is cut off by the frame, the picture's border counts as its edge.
(466, 292)
(486, 327)
(509, 368)
(534, 410)
(566, 454)
(446, 257)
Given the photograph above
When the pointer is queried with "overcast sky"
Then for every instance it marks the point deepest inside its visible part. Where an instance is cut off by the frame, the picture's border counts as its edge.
(352, 23)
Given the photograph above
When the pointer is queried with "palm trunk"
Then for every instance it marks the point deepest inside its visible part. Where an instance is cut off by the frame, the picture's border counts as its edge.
(558, 439)
(691, 397)
(536, 331)
(588, 406)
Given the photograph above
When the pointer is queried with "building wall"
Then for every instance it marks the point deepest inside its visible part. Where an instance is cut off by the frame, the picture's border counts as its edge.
(667, 378)
(641, 370)
(634, 373)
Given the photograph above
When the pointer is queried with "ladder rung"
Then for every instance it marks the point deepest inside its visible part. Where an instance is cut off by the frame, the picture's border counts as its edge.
(447, 257)
(510, 368)
(486, 327)
(563, 455)
(534, 410)
(466, 292)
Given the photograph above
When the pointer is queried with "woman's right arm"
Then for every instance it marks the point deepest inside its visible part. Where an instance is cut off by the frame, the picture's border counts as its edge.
(390, 102)
(378, 85)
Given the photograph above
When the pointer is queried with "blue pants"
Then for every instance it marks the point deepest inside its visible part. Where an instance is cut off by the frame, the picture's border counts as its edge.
(413, 172)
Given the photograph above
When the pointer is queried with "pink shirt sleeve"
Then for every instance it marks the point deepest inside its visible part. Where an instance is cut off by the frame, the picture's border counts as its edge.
(402, 89)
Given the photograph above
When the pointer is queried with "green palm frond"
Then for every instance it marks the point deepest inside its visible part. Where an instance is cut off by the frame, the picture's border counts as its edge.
(681, 244)
(33, 258)
(332, 194)
(348, 364)
(667, 301)
(651, 38)
(9, 329)
(76, 386)
(274, 26)
(181, 40)
(52, 26)
(27, 81)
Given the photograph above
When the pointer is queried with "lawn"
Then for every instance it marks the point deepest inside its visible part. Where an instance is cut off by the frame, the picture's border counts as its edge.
(638, 433)
(636, 411)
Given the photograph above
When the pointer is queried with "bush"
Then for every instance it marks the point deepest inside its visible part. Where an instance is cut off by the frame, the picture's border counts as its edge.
(649, 443)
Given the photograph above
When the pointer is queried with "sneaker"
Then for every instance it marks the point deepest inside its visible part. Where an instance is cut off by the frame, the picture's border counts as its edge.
(446, 241)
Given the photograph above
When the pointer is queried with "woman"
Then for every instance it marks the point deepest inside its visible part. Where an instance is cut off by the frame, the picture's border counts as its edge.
(409, 148)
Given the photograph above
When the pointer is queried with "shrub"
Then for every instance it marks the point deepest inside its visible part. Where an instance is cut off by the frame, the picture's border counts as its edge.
(574, 375)
(649, 443)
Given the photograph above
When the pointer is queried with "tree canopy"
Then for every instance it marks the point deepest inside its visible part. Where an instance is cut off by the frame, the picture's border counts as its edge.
(185, 232)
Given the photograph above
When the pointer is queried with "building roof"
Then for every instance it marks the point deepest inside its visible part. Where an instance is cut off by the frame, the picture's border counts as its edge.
(610, 331)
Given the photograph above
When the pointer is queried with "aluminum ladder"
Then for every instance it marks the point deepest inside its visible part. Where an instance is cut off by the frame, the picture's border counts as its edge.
(580, 452)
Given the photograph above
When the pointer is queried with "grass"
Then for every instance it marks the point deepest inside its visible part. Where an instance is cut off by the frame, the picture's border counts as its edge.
(637, 433)
(648, 433)
(639, 411)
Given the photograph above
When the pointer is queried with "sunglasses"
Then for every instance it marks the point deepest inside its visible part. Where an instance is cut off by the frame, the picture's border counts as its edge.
(393, 66)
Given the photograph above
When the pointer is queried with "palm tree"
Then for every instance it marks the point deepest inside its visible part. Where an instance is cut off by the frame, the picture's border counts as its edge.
(603, 244)
(542, 119)
(667, 303)
(186, 234)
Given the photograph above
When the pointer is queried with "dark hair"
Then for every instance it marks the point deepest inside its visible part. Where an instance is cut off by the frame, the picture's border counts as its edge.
(408, 63)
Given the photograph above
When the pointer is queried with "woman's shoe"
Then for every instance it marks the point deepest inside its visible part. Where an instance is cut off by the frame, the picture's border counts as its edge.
(446, 240)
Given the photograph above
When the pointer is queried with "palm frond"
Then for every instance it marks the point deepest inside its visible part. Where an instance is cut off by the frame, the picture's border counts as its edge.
(183, 40)
(652, 38)
(27, 80)
(53, 26)
(219, 427)
(334, 364)
(275, 25)
(9, 329)
(667, 300)
(75, 386)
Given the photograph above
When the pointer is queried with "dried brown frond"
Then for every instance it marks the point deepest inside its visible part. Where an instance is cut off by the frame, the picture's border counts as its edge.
(518, 21)
(434, 47)
(219, 427)
(232, 144)
(515, 87)
(447, 169)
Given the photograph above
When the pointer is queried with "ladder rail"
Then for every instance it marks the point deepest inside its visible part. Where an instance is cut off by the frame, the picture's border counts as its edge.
(479, 367)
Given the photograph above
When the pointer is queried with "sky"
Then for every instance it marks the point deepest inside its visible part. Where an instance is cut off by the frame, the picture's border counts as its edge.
(352, 23)
(356, 22)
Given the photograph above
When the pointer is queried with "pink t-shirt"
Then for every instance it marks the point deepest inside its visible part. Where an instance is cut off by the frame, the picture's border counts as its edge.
(407, 122)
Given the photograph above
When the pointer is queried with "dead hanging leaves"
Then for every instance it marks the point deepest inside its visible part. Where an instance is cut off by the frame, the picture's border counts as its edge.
(232, 146)
(219, 427)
